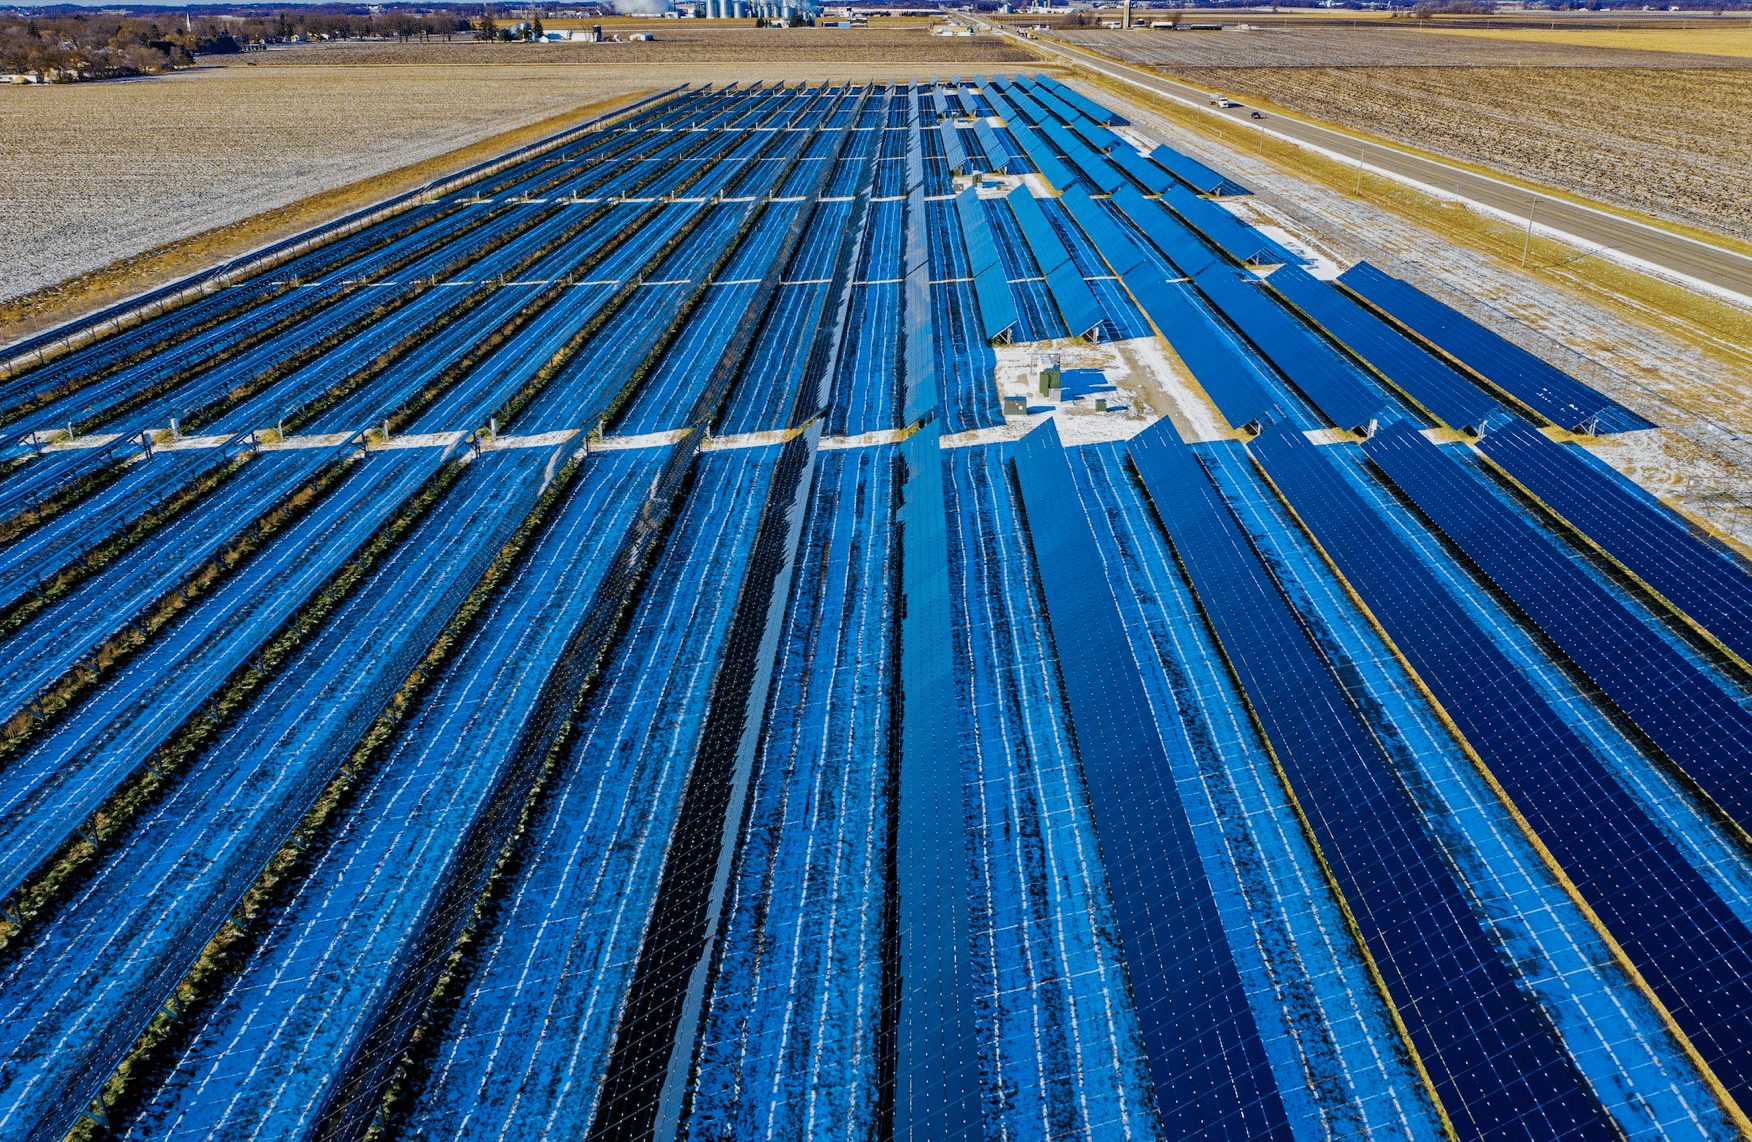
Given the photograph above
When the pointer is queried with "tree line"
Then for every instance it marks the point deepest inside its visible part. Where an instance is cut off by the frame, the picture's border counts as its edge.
(63, 48)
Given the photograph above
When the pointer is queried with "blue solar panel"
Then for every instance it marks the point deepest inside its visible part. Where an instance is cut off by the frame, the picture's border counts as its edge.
(1025, 102)
(1028, 864)
(915, 161)
(1684, 711)
(1117, 248)
(1076, 301)
(1081, 102)
(1194, 173)
(997, 155)
(937, 1077)
(1231, 235)
(997, 308)
(953, 152)
(1656, 545)
(1525, 378)
(938, 178)
(1330, 382)
(1496, 1068)
(1422, 378)
(1141, 170)
(1206, 1059)
(1034, 147)
(1189, 254)
(1048, 98)
(1692, 949)
(1099, 139)
(1091, 166)
(981, 252)
(1231, 376)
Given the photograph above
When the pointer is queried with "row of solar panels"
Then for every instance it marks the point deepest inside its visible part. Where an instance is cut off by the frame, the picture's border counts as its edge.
(1493, 1059)
(1676, 932)
(1402, 336)
(1489, 1052)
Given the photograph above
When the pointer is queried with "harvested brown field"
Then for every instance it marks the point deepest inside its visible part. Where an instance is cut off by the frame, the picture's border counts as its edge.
(1673, 144)
(1662, 133)
(1331, 45)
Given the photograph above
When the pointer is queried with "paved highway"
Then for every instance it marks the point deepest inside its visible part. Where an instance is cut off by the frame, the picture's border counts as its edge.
(1720, 269)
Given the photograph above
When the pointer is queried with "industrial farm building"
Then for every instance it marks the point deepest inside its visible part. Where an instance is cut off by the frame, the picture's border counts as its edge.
(870, 610)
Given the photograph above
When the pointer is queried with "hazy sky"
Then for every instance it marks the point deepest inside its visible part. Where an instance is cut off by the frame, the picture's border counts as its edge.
(263, 4)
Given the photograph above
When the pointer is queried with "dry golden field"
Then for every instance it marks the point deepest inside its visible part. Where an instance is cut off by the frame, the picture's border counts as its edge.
(1732, 39)
(1379, 44)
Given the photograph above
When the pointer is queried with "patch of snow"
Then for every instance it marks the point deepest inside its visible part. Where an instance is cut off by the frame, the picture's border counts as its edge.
(534, 440)
(1320, 263)
(420, 440)
(867, 439)
(750, 439)
(641, 440)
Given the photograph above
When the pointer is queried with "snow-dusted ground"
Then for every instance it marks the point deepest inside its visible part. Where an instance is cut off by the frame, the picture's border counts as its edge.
(1150, 383)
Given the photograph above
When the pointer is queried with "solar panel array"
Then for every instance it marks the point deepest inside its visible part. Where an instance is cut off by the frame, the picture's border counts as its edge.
(1541, 387)
(588, 654)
